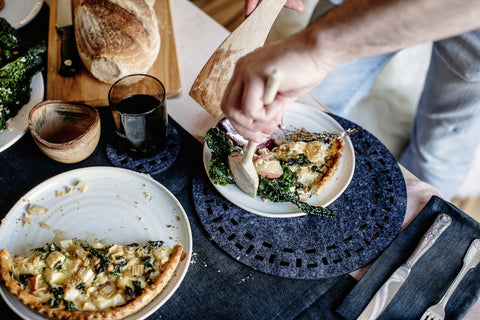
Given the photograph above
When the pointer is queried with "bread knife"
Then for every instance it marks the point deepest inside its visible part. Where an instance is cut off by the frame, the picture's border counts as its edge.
(68, 52)
(389, 289)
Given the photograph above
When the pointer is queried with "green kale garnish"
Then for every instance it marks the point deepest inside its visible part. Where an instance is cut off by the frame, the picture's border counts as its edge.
(69, 306)
(153, 244)
(277, 189)
(104, 260)
(46, 249)
(81, 286)
(57, 297)
(133, 244)
(300, 160)
(137, 286)
(220, 143)
(221, 147)
(23, 279)
(280, 190)
(15, 79)
(147, 262)
(218, 171)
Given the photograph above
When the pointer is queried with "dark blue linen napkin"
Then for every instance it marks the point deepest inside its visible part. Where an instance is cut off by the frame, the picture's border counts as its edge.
(431, 275)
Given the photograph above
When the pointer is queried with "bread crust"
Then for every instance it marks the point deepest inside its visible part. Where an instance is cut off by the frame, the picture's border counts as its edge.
(116, 37)
(120, 312)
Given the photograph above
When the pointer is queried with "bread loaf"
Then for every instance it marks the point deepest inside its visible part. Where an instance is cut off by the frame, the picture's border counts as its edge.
(116, 37)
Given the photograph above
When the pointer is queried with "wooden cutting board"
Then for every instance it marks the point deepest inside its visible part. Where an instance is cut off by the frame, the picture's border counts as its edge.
(86, 89)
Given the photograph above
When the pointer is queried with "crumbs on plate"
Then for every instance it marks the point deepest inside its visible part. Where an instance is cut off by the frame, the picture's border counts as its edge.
(35, 210)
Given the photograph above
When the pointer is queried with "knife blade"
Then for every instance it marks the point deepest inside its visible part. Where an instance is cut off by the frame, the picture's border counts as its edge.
(69, 57)
(390, 288)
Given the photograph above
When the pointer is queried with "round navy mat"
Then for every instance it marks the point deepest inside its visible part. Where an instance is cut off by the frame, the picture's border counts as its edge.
(152, 165)
(369, 215)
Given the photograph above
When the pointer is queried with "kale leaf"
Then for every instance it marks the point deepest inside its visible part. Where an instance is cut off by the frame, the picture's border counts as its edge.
(300, 160)
(221, 147)
(18, 65)
(218, 171)
(218, 141)
(10, 43)
(279, 190)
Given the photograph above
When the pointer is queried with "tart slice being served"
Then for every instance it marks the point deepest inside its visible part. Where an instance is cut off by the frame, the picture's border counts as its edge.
(292, 166)
(74, 280)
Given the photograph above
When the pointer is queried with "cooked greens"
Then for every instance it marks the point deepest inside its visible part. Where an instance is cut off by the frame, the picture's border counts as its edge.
(221, 147)
(276, 190)
(18, 65)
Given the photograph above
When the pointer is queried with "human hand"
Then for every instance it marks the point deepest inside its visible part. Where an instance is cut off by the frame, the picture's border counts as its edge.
(251, 5)
(243, 103)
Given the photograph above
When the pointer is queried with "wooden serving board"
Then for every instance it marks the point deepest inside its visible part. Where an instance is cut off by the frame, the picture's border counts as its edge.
(86, 89)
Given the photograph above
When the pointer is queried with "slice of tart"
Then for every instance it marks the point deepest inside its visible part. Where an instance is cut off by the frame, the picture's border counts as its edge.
(312, 161)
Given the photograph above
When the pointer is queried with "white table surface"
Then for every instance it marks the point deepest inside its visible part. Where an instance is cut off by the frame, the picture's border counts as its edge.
(197, 36)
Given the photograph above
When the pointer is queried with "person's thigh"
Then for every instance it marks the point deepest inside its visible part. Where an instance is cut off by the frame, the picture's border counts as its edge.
(348, 83)
(446, 130)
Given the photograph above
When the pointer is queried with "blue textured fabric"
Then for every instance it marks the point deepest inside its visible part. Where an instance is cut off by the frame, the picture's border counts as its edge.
(431, 275)
(368, 216)
(152, 165)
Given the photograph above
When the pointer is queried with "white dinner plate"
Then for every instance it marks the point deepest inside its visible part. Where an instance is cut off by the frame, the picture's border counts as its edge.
(119, 206)
(18, 125)
(313, 120)
(20, 12)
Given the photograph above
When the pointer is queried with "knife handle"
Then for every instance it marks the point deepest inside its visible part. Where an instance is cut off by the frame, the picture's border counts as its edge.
(68, 52)
(441, 223)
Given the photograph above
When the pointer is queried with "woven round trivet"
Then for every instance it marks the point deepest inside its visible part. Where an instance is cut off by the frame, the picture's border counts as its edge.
(152, 165)
(369, 214)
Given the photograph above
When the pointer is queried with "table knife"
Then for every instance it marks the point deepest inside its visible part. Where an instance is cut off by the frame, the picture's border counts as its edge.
(68, 52)
(388, 290)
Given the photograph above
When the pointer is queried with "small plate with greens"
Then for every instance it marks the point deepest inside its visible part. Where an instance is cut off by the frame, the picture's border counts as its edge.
(21, 82)
(273, 198)
(18, 125)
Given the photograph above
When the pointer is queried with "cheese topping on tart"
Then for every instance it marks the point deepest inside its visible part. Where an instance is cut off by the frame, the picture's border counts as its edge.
(89, 282)
(313, 163)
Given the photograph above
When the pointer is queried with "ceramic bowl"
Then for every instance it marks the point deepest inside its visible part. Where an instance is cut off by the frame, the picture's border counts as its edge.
(66, 132)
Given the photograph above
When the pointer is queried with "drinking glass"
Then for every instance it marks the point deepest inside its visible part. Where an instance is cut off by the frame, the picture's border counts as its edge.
(139, 113)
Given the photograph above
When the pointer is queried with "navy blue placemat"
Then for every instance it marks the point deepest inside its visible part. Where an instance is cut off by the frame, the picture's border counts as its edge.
(430, 276)
(152, 165)
(369, 214)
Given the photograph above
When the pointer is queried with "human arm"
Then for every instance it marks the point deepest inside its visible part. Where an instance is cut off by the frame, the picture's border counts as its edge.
(251, 5)
(355, 29)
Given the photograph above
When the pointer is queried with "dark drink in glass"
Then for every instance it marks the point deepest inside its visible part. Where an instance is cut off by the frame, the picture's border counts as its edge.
(140, 116)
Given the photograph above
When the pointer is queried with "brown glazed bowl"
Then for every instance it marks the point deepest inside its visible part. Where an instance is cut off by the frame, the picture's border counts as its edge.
(66, 132)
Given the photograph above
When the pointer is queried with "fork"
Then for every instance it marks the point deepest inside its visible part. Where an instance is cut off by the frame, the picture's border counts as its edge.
(471, 259)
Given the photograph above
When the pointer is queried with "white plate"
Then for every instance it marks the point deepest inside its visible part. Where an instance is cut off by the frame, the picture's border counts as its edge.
(20, 12)
(313, 120)
(18, 125)
(119, 206)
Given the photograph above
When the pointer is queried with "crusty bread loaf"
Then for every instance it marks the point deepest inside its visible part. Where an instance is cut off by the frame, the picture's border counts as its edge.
(116, 37)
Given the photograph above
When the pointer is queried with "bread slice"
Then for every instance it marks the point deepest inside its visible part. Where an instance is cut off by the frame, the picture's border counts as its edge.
(78, 281)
